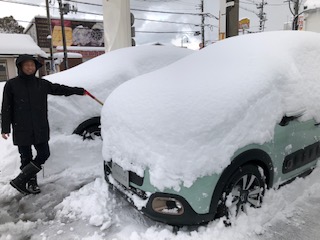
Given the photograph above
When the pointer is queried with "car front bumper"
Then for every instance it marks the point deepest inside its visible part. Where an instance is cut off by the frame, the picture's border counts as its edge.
(163, 207)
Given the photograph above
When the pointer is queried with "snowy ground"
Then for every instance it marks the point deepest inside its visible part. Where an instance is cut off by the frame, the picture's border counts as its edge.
(75, 203)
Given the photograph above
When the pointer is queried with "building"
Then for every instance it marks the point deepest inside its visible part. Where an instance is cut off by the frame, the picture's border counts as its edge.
(83, 37)
(12, 45)
(312, 15)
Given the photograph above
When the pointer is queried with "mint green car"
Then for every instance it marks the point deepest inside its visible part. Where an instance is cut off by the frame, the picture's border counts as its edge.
(253, 169)
(206, 136)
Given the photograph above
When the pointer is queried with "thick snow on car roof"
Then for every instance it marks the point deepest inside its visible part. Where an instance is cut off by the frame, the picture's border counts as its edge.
(100, 76)
(188, 119)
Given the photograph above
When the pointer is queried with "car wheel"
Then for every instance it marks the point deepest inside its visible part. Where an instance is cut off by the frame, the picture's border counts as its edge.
(91, 132)
(245, 188)
(89, 129)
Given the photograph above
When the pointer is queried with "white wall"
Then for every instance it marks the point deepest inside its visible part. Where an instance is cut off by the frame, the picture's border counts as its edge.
(312, 20)
(117, 24)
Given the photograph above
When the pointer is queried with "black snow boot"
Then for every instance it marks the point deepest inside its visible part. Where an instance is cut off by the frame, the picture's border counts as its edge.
(32, 185)
(20, 182)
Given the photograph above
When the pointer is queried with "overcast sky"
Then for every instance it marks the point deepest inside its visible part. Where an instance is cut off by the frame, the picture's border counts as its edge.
(277, 14)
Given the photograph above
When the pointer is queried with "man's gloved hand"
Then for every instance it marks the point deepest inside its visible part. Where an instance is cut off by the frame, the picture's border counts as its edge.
(5, 135)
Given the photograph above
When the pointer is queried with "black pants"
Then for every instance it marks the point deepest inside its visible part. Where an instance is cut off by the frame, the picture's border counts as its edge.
(43, 153)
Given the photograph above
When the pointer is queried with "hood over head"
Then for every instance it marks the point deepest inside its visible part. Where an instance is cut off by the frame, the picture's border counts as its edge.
(26, 57)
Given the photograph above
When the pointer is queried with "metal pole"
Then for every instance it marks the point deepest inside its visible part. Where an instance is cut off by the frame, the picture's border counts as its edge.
(202, 22)
(63, 36)
(52, 69)
(296, 15)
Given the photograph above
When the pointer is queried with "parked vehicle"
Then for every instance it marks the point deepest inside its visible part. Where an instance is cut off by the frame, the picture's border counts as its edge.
(206, 136)
(100, 76)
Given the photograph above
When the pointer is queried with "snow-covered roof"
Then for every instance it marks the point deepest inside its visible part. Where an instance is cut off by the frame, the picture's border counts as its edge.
(312, 4)
(19, 44)
(81, 48)
(60, 55)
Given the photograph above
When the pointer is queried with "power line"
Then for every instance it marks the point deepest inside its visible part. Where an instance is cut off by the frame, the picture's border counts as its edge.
(91, 4)
(249, 10)
(251, 3)
(141, 10)
(186, 32)
(142, 19)
(167, 12)
(25, 3)
(186, 3)
(164, 21)
(276, 4)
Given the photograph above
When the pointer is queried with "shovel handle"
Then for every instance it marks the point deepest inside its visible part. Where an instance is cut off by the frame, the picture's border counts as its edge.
(93, 97)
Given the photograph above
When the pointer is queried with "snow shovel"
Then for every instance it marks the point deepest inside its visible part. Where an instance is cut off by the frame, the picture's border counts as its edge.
(93, 97)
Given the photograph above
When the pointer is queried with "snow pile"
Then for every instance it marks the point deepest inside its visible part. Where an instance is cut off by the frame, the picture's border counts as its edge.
(312, 4)
(88, 204)
(100, 76)
(187, 120)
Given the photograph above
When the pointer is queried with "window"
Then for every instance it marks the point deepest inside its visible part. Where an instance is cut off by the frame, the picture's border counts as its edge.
(3, 71)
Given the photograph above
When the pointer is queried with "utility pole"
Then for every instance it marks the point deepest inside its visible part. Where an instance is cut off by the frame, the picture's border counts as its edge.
(50, 37)
(228, 18)
(64, 9)
(296, 15)
(262, 15)
(202, 23)
(232, 18)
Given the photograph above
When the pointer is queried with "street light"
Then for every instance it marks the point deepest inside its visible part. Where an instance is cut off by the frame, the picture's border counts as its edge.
(182, 40)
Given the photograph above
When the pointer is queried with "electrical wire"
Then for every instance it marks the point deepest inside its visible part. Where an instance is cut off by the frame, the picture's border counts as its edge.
(141, 10)
(167, 12)
(25, 3)
(164, 21)
(142, 19)
(186, 32)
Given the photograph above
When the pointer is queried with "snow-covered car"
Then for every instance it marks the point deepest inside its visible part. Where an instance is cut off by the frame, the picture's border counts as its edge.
(100, 76)
(206, 136)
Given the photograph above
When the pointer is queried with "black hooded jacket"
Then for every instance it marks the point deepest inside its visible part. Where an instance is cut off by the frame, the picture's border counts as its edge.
(25, 105)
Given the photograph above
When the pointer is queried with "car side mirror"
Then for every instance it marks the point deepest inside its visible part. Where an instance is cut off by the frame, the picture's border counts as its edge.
(290, 116)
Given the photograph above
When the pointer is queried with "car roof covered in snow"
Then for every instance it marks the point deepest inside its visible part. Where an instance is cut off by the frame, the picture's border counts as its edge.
(100, 76)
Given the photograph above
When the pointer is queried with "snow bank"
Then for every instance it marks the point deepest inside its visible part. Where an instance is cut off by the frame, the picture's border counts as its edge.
(89, 204)
(101, 76)
(187, 120)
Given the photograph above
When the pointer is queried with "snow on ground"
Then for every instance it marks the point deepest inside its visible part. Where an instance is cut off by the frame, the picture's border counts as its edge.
(76, 203)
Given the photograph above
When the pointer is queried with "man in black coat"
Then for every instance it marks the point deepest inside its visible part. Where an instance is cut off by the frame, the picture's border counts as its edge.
(25, 107)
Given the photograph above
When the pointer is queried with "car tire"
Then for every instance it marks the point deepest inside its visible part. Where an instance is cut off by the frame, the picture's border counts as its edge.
(245, 188)
(91, 132)
(89, 129)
